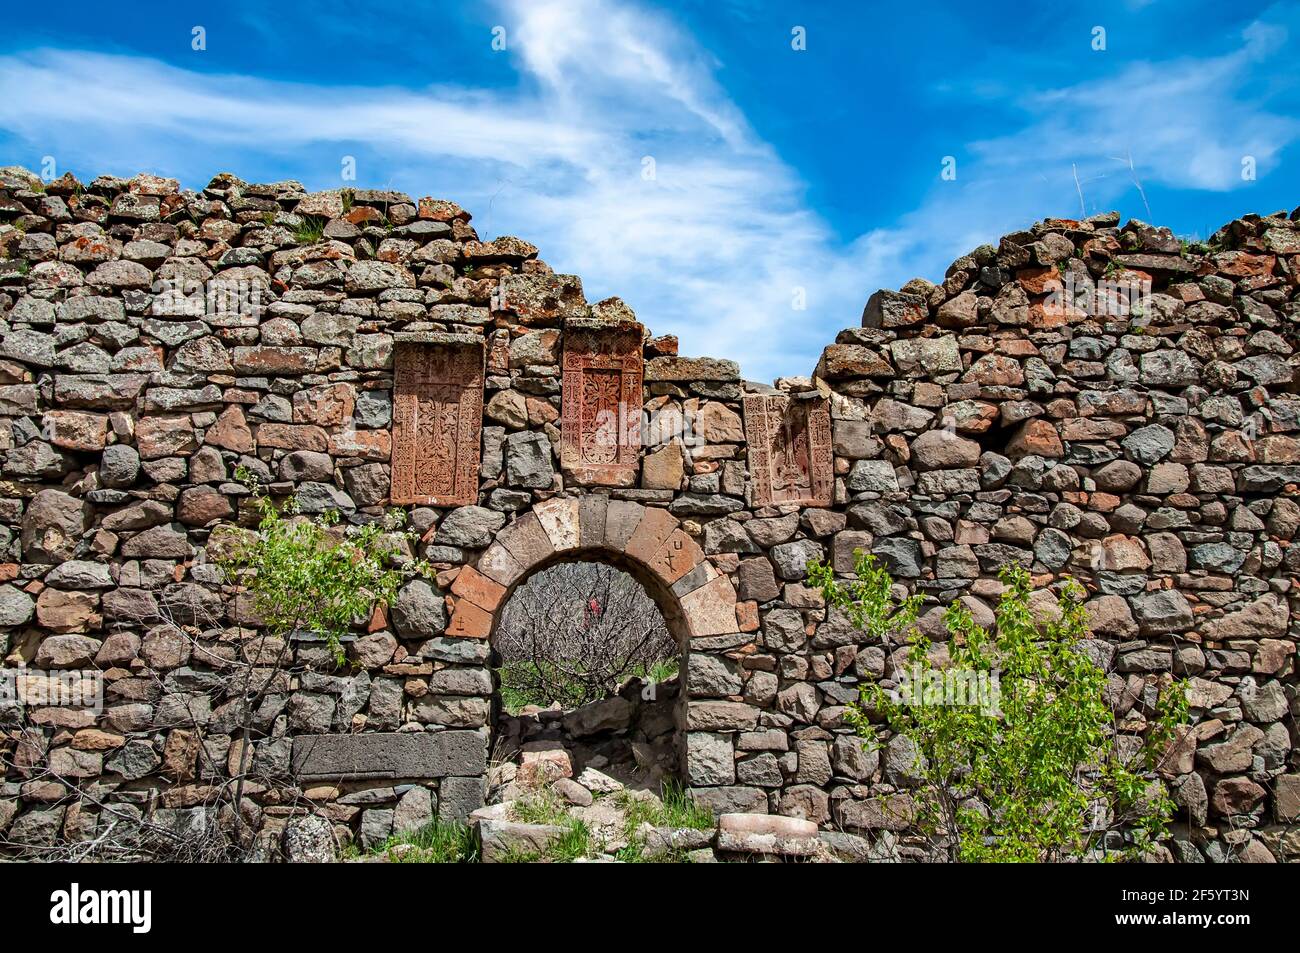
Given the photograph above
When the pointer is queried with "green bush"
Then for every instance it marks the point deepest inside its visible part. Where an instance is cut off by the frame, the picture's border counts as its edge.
(1043, 774)
(310, 574)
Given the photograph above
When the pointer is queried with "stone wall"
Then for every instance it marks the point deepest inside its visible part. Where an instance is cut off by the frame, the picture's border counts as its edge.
(360, 348)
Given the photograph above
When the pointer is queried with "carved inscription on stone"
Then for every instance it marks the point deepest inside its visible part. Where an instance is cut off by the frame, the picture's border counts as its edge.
(437, 421)
(790, 455)
(601, 410)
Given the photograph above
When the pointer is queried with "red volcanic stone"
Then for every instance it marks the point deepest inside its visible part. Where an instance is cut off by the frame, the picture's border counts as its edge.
(327, 405)
(1035, 437)
(231, 431)
(292, 437)
(164, 437)
(275, 360)
(201, 505)
(1240, 264)
(994, 370)
(663, 346)
(854, 360)
(477, 588)
(73, 430)
(367, 444)
(468, 621)
(440, 210)
(61, 611)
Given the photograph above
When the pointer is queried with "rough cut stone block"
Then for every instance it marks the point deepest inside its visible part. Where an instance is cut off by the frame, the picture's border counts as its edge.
(390, 755)
(559, 518)
(678, 555)
(621, 520)
(711, 609)
(477, 588)
(469, 621)
(591, 520)
(527, 542)
(498, 565)
(655, 527)
(691, 369)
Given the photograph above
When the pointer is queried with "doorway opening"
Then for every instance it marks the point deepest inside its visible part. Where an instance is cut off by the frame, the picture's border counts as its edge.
(587, 681)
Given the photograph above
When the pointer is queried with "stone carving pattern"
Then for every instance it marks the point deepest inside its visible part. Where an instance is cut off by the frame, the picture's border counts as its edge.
(601, 418)
(437, 420)
(789, 450)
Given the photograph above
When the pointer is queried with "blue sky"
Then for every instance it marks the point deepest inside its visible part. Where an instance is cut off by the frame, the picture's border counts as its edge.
(781, 177)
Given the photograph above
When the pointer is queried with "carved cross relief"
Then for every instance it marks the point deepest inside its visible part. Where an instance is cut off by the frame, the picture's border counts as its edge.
(601, 404)
(437, 422)
(790, 455)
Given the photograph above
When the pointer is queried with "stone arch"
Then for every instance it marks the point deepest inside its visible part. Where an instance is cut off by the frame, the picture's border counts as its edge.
(697, 601)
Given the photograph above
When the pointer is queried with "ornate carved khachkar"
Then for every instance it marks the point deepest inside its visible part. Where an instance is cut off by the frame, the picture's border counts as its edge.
(437, 419)
(790, 455)
(601, 412)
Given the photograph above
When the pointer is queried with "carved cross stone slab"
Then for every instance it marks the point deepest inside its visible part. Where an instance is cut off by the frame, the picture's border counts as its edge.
(790, 457)
(601, 407)
(437, 420)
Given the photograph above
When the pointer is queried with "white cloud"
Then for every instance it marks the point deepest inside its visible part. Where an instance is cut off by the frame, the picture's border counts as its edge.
(713, 247)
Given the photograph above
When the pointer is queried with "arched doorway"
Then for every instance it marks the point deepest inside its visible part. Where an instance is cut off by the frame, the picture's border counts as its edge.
(586, 673)
(698, 603)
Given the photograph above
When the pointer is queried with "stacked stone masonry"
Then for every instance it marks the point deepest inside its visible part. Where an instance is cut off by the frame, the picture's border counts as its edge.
(153, 340)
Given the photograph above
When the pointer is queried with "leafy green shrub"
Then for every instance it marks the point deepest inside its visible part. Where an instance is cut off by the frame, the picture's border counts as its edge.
(1046, 774)
(309, 574)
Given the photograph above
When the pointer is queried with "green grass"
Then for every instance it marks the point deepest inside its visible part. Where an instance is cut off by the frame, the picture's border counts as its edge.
(442, 842)
(541, 807)
(310, 231)
(676, 808)
(546, 807)
(662, 671)
(573, 844)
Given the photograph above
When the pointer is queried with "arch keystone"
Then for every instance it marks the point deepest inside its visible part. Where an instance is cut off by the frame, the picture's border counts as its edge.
(559, 517)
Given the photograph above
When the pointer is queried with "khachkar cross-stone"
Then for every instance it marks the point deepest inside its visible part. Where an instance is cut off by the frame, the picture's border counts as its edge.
(790, 454)
(437, 418)
(601, 405)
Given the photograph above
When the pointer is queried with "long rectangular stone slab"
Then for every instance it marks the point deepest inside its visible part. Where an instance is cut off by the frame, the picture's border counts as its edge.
(432, 754)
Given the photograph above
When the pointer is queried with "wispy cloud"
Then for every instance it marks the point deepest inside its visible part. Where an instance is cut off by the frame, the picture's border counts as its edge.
(718, 243)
